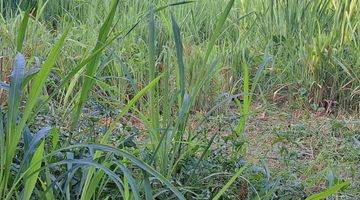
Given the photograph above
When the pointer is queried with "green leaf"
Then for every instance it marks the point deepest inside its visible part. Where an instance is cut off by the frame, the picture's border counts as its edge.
(16, 79)
(14, 134)
(218, 28)
(148, 169)
(130, 179)
(55, 138)
(328, 192)
(38, 84)
(89, 180)
(96, 53)
(92, 66)
(32, 146)
(147, 187)
(22, 32)
(245, 107)
(179, 55)
(33, 173)
(14, 99)
(153, 94)
(173, 4)
(229, 183)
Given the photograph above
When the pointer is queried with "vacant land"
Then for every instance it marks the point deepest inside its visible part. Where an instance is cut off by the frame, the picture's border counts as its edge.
(208, 99)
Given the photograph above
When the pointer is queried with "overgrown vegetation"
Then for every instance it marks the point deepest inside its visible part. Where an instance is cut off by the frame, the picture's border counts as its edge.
(217, 99)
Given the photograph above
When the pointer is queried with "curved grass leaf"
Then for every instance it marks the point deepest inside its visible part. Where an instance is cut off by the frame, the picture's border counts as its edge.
(130, 179)
(96, 53)
(77, 164)
(147, 187)
(14, 132)
(113, 125)
(173, 4)
(218, 28)
(32, 172)
(328, 192)
(35, 90)
(229, 183)
(35, 140)
(16, 79)
(22, 31)
(138, 163)
(92, 66)
(179, 55)
(106, 149)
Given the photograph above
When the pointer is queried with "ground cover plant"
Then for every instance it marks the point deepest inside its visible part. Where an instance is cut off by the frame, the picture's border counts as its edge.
(216, 99)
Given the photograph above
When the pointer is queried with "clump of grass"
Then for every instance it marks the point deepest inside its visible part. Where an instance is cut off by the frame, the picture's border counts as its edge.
(14, 129)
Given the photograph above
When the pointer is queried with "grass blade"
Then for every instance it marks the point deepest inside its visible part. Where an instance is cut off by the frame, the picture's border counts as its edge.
(147, 187)
(22, 31)
(39, 82)
(180, 59)
(30, 180)
(138, 163)
(328, 192)
(14, 134)
(92, 66)
(105, 137)
(218, 28)
(245, 107)
(130, 179)
(33, 144)
(17, 77)
(229, 183)
(14, 98)
(173, 4)
(153, 97)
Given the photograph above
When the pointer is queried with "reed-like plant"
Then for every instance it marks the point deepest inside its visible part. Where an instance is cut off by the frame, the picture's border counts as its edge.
(160, 66)
(34, 160)
(16, 123)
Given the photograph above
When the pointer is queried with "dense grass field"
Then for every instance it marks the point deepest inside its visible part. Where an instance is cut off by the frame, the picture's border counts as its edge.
(160, 99)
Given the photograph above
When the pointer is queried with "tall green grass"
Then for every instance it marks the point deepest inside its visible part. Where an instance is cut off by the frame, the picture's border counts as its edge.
(162, 66)
(14, 129)
(9, 142)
